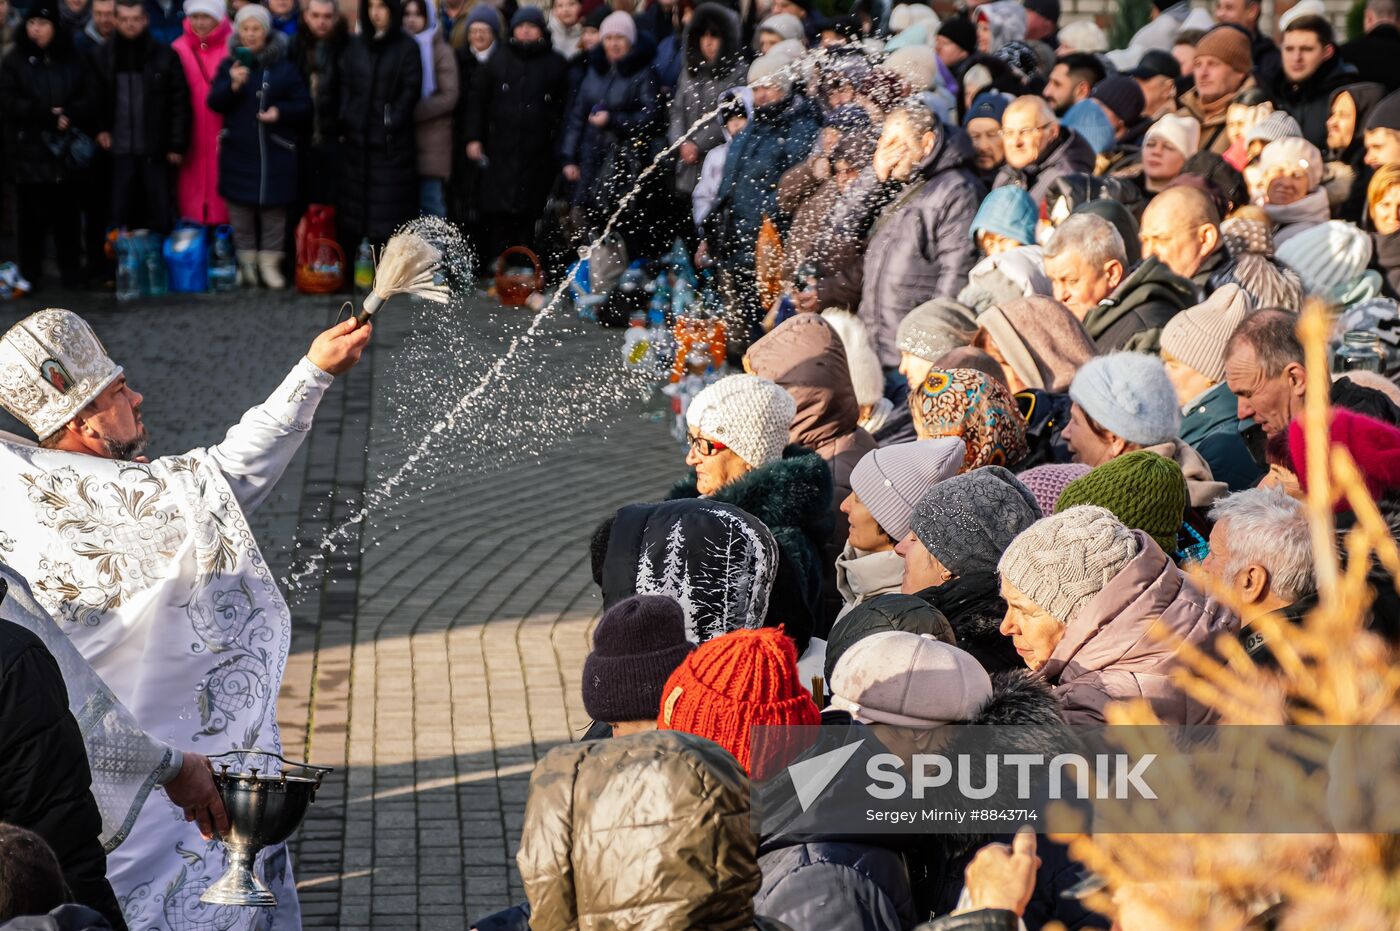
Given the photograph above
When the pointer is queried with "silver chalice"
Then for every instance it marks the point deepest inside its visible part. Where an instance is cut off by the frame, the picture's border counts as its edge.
(263, 809)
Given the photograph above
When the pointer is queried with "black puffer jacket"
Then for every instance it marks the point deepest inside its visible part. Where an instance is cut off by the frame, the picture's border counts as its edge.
(1132, 316)
(1310, 101)
(45, 782)
(32, 83)
(1069, 154)
(381, 79)
(514, 106)
(792, 497)
(165, 97)
(628, 91)
(974, 607)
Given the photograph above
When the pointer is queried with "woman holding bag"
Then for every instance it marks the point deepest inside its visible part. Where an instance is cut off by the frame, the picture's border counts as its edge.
(264, 103)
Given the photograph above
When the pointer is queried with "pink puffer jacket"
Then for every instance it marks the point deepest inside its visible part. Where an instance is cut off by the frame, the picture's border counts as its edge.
(199, 173)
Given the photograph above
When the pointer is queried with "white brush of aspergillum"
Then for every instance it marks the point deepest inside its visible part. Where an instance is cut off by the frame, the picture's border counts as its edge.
(408, 265)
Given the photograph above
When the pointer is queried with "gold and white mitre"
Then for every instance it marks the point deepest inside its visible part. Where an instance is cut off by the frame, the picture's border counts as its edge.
(52, 365)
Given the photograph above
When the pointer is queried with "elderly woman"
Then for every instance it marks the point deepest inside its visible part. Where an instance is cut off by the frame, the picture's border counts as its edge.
(972, 405)
(1082, 593)
(265, 103)
(738, 448)
(1383, 206)
(1294, 200)
(957, 533)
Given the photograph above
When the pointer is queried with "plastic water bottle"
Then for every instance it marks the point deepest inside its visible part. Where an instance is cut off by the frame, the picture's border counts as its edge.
(364, 267)
(128, 270)
(223, 262)
(156, 284)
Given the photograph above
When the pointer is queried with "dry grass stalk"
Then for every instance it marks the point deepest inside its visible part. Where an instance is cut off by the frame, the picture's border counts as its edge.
(1330, 670)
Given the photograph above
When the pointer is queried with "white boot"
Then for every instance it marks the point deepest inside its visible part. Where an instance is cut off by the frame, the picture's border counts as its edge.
(248, 268)
(270, 264)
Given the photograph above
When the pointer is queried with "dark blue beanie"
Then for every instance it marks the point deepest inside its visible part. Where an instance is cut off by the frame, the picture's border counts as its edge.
(528, 14)
(990, 106)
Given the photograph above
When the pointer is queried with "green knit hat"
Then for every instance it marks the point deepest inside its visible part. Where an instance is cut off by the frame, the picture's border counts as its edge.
(1145, 491)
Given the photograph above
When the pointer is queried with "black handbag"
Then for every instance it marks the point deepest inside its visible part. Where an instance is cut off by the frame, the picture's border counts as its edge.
(72, 148)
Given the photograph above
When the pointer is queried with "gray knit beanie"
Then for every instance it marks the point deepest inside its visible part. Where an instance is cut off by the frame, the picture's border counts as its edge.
(968, 520)
(935, 327)
(1128, 393)
(891, 480)
(750, 415)
(1063, 561)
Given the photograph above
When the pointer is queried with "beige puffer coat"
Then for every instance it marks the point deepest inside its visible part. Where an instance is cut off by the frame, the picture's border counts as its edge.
(648, 832)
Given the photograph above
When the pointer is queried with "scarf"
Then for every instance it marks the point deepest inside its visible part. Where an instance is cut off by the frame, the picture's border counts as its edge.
(425, 41)
(972, 405)
(1291, 219)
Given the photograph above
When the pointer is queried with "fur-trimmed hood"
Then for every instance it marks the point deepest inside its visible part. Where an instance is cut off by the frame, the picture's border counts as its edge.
(277, 48)
(794, 492)
(712, 17)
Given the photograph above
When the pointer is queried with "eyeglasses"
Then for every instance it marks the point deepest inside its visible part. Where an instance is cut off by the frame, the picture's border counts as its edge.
(706, 446)
(1015, 135)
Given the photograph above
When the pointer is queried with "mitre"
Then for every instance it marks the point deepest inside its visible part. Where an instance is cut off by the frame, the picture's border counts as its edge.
(52, 365)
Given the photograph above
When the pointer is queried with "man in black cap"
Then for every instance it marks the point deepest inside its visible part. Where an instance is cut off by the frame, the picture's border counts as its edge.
(1157, 73)
(955, 43)
(1122, 101)
(1374, 54)
(1043, 21)
(1383, 132)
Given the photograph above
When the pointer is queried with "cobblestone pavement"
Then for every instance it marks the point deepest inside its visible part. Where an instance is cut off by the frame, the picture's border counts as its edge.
(437, 650)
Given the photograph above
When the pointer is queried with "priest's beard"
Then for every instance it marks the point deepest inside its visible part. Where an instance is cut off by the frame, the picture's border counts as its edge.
(126, 450)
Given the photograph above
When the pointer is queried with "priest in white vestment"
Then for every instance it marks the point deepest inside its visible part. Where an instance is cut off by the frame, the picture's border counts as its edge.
(152, 572)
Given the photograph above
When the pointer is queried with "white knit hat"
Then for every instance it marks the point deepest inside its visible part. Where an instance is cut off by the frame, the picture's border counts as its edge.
(782, 25)
(891, 481)
(769, 70)
(1292, 154)
(916, 64)
(1299, 10)
(214, 8)
(1182, 133)
(750, 415)
(51, 367)
(1328, 257)
(254, 11)
(1062, 562)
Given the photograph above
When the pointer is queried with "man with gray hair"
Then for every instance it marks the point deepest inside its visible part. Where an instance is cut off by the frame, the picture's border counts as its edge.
(921, 245)
(1375, 53)
(1038, 149)
(1086, 262)
(1261, 551)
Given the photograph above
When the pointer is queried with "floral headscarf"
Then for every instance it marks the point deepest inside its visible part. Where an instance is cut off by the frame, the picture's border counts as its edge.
(976, 407)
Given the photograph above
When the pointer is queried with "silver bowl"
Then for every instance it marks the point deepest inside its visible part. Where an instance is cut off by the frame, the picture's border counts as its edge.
(263, 809)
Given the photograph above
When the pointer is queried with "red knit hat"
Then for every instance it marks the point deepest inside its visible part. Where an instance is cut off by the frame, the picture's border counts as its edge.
(734, 682)
(1374, 444)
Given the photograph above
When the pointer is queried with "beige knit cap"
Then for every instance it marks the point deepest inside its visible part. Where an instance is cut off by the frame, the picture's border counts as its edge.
(1062, 562)
(1197, 337)
(750, 415)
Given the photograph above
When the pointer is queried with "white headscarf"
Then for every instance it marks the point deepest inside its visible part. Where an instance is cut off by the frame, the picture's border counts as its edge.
(425, 47)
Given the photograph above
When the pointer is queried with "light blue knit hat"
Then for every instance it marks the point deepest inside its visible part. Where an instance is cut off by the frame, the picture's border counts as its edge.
(1129, 394)
(1007, 211)
(1088, 119)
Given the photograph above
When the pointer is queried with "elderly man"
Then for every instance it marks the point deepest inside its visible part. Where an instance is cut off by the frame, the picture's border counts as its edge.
(1312, 72)
(1072, 80)
(1261, 551)
(1038, 149)
(1244, 15)
(152, 572)
(1264, 369)
(1193, 351)
(1181, 228)
(921, 244)
(1222, 73)
(1374, 54)
(1086, 261)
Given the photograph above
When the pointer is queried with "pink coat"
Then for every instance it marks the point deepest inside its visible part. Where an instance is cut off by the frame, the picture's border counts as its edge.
(199, 175)
(1107, 653)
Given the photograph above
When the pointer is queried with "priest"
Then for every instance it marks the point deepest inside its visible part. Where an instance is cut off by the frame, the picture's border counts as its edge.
(152, 572)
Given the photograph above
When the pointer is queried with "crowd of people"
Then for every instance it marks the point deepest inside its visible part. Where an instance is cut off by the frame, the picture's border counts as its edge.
(1019, 415)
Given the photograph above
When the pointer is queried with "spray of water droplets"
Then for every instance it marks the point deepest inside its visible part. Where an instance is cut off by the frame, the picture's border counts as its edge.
(445, 355)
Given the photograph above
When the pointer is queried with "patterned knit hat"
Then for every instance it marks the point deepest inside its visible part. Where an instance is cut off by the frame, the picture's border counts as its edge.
(935, 327)
(1046, 482)
(51, 367)
(967, 521)
(637, 644)
(1145, 491)
(1129, 393)
(750, 415)
(1197, 337)
(735, 682)
(890, 481)
(972, 405)
(909, 680)
(1063, 561)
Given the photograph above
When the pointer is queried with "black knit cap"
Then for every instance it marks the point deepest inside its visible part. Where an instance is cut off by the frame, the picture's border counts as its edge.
(881, 613)
(1386, 114)
(960, 31)
(637, 644)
